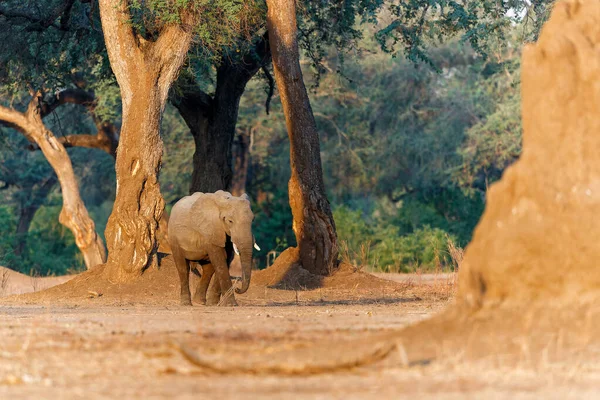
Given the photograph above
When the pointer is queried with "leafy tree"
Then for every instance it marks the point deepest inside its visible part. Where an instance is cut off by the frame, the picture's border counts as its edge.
(212, 118)
(35, 241)
(494, 142)
(74, 214)
(39, 61)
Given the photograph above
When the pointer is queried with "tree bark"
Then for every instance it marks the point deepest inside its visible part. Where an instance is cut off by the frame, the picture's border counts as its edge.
(73, 215)
(27, 212)
(145, 71)
(313, 221)
(212, 121)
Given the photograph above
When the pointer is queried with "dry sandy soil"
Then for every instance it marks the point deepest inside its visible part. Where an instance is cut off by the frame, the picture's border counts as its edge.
(95, 347)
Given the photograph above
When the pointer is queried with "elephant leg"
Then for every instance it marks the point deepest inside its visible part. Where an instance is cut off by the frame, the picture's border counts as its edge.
(214, 292)
(207, 273)
(219, 260)
(183, 268)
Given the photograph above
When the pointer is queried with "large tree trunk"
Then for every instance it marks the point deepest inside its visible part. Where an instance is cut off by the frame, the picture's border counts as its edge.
(145, 71)
(28, 210)
(211, 128)
(212, 121)
(313, 221)
(74, 215)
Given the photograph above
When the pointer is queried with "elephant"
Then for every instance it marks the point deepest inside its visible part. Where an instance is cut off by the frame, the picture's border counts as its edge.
(208, 228)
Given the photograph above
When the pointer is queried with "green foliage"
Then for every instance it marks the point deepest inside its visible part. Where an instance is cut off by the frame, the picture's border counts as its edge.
(484, 23)
(493, 143)
(49, 249)
(352, 228)
(8, 226)
(218, 24)
(396, 140)
(42, 46)
(272, 225)
(449, 209)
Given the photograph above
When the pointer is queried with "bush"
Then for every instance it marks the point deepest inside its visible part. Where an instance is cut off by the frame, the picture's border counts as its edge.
(387, 247)
(352, 229)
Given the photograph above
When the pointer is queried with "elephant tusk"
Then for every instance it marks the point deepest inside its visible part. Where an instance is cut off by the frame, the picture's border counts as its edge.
(256, 246)
(236, 249)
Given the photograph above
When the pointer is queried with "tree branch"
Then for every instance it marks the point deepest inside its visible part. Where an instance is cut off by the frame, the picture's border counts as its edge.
(170, 49)
(98, 141)
(121, 41)
(71, 96)
(271, 82)
(106, 138)
(13, 119)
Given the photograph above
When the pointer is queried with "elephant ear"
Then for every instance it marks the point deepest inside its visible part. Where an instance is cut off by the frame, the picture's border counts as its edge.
(245, 196)
(206, 217)
(223, 194)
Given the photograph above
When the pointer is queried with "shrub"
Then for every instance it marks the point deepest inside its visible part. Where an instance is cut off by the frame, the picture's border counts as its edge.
(425, 248)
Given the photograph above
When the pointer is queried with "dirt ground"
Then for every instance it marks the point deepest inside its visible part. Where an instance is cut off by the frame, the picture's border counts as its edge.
(90, 348)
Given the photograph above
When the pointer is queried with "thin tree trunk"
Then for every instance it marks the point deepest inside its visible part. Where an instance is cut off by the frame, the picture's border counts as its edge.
(26, 215)
(212, 121)
(313, 221)
(73, 215)
(145, 71)
(28, 210)
(241, 160)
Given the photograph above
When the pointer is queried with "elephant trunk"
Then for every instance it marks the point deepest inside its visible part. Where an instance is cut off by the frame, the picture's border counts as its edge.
(245, 249)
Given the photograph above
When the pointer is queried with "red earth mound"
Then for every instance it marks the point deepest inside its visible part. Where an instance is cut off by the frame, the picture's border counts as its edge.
(154, 286)
(287, 273)
(538, 237)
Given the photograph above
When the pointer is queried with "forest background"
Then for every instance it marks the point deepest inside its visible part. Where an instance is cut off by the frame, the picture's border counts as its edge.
(409, 148)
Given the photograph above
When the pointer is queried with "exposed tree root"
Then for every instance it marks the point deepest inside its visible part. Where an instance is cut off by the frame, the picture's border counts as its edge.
(304, 361)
